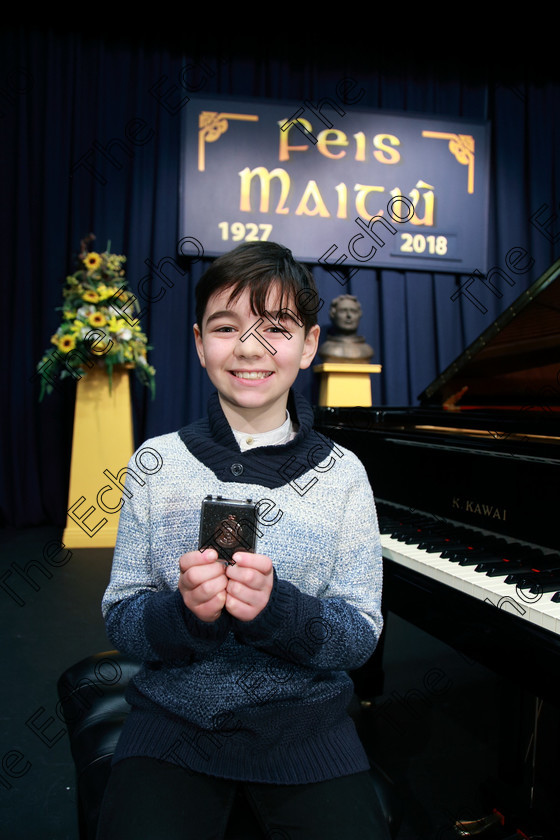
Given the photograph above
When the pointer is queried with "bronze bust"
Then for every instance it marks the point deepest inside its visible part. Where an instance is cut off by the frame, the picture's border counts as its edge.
(343, 344)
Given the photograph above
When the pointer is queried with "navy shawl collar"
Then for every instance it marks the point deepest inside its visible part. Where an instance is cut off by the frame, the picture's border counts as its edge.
(212, 442)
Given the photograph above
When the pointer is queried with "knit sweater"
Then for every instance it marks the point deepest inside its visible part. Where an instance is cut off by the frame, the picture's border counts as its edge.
(264, 700)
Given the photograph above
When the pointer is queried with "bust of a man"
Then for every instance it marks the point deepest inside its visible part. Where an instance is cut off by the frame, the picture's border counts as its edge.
(343, 344)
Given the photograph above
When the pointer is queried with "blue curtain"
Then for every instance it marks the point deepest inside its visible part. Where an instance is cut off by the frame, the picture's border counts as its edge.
(90, 142)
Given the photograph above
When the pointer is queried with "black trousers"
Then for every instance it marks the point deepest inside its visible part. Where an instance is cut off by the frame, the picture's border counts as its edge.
(148, 799)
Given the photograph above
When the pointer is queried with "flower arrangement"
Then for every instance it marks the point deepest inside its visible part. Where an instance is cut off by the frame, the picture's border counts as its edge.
(92, 329)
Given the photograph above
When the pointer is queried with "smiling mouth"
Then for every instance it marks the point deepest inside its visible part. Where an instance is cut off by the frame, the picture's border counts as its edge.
(252, 374)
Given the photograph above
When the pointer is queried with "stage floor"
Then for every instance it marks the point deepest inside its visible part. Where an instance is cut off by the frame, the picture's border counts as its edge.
(434, 729)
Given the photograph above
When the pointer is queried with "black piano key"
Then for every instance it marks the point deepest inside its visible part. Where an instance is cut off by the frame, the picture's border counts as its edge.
(478, 558)
(529, 580)
(522, 560)
(490, 548)
(492, 555)
(454, 552)
(547, 571)
(552, 566)
(468, 548)
(433, 546)
(386, 530)
(470, 558)
(523, 580)
(501, 569)
(552, 586)
(410, 538)
(485, 565)
(506, 566)
(525, 555)
(445, 543)
(546, 582)
(442, 541)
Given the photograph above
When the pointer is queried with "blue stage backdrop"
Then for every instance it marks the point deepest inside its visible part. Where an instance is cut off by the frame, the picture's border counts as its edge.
(92, 142)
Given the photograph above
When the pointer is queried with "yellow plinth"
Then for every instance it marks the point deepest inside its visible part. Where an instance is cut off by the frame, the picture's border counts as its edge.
(345, 384)
(102, 440)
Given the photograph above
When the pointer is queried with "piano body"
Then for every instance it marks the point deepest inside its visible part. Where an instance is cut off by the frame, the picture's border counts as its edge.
(467, 486)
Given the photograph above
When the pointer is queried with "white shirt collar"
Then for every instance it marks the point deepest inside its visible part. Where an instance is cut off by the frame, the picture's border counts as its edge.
(275, 437)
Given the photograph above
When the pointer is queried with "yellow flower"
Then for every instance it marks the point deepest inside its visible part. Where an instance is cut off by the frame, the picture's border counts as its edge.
(114, 261)
(104, 292)
(69, 314)
(54, 339)
(116, 324)
(92, 297)
(66, 343)
(97, 319)
(92, 261)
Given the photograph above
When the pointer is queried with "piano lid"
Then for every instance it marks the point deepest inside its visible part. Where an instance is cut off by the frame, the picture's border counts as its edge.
(515, 363)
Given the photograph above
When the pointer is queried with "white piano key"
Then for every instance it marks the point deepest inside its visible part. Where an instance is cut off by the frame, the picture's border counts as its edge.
(546, 613)
(543, 613)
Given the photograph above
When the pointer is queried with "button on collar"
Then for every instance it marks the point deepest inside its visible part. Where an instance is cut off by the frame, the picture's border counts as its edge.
(236, 469)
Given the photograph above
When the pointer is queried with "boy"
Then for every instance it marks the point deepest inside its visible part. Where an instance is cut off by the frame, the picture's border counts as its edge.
(244, 664)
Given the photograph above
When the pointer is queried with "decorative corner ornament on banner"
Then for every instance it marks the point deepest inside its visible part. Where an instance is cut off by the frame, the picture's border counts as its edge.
(318, 178)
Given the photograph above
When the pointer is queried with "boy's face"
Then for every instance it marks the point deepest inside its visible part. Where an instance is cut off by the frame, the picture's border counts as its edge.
(251, 360)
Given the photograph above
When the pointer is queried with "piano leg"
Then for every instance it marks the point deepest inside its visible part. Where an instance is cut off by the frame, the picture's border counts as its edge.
(547, 768)
(526, 790)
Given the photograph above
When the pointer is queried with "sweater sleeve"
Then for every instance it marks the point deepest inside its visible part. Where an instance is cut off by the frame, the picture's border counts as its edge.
(145, 617)
(340, 629)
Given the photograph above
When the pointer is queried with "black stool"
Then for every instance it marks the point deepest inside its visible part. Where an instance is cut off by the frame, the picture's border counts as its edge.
(92, 699)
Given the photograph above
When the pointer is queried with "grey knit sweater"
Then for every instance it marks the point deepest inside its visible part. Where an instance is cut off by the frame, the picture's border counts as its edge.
(263, 700)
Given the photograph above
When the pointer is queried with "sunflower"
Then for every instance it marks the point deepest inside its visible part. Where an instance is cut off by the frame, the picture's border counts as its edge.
(92, 261)
(85, 310)
(97, 319)
(92, 297)
(66, 343)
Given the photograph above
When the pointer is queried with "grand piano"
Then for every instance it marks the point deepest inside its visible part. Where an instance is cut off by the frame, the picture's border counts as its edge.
(467, 487)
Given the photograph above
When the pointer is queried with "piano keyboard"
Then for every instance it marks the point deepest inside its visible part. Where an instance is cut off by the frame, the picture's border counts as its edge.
(519, 577)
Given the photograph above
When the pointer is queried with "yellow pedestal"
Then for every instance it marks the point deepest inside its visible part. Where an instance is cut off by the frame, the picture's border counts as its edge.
(102, 440)
(345, 384)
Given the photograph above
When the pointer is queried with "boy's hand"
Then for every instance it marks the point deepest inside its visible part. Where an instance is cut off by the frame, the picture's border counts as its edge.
(202, 583)
(249, 585)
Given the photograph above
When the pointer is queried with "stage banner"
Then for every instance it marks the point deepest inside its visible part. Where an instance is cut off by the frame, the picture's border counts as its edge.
(337, 186)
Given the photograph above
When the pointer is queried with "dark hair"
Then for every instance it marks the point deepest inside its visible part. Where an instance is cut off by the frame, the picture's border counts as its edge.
(255, 266)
